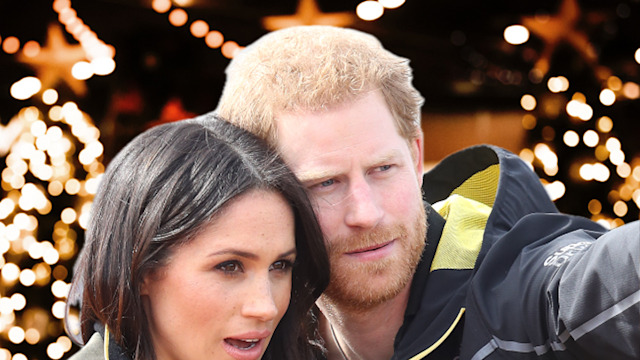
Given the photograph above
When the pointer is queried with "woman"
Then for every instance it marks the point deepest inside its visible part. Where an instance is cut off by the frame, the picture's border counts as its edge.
(202, 245)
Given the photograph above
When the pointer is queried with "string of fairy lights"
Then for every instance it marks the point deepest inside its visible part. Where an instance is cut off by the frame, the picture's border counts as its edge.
(52, 154)
(607, 148)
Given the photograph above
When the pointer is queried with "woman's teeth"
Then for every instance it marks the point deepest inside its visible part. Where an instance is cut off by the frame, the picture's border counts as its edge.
(243, 344)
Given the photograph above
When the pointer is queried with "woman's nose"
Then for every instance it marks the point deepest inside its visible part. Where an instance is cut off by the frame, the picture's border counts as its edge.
(260, 302)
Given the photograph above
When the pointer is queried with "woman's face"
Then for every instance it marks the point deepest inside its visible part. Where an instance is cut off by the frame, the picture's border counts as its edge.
(222, 294)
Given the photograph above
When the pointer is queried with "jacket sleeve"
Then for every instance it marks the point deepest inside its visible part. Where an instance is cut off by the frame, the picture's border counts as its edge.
(598, 298)
(557, 287)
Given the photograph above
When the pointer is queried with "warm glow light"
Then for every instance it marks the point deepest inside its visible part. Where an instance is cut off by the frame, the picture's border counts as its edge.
(527, 155)
(55, 351)
(214, 39)
(558, 84)
(19, 356)
(38, 128)
(72, 186)
(616, 157)
(528, 102)
(516, 34)
(31, 48)
(58, 309)
(59, 5)
(555, 190)
(49, 96)
(32, 336)
(623, 170)
(161, 6)
(10, 272)
(67, 15)
(27, 277)
(571, 138)
(369, 10)
(68, 215)
(50, 255)
(199, 28)
(614, 83)
(6, 207)
(551, 170)
(636, 173)
(600, 172)
(620, 208)
(586, 172)
(546, 155)
(11, 45)
(637, 56)
(391, 4)
(82, 70)
(590, 138)
(65, 342)
(229, 49)
(579, 109)
(595, 207)
(529, 121)
(60, 289)
(25, 88)
(16, 335)
(605, 124)
(631, 90)
(178, 17)
(103, 65)
(613, 144)
(607, 97)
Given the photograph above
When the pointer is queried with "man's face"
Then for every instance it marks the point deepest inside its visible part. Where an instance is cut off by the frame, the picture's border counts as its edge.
(364, 180)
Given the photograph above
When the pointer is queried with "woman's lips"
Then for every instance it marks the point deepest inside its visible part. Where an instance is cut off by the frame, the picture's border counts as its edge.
(246, 347)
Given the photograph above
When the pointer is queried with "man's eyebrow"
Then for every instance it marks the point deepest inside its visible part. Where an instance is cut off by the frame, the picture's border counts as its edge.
(312, 175)
(316, 174)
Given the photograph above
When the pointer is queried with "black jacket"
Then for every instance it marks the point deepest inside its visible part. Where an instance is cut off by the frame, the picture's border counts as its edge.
(527, 282)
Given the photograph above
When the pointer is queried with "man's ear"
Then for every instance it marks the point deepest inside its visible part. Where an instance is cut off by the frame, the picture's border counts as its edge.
(417, 153)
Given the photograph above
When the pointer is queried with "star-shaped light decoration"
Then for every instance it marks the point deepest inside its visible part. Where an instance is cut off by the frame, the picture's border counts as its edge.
(559, 28)
(54, 61)
(307, 13)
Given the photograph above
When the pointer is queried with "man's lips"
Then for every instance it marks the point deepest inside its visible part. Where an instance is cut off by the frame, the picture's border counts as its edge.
(369, 248)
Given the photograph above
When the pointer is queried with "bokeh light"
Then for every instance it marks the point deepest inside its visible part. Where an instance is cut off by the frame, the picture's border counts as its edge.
(516, 34)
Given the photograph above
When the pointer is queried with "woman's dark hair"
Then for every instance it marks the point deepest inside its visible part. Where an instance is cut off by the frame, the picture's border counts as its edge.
(157, 193)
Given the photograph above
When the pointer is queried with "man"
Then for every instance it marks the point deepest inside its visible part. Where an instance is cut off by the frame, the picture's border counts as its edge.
(499, 272)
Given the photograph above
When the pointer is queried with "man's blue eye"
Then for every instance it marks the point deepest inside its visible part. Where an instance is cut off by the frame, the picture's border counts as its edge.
(385, 167)
(327, 183)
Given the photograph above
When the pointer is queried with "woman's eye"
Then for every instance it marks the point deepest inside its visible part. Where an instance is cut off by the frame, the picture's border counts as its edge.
(282, 265)
(384, 167)
(230, 267)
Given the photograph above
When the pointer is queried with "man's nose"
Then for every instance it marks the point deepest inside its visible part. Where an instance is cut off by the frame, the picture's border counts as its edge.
(363, 209)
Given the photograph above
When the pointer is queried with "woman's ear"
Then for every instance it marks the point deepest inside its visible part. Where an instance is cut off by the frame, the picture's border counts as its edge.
(144, 285)
(147, 279)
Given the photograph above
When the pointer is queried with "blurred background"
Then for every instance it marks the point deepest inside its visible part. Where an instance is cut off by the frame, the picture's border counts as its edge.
(555, 81)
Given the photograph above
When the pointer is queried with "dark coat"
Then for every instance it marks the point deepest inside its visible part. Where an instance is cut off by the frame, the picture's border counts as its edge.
(527, 282)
